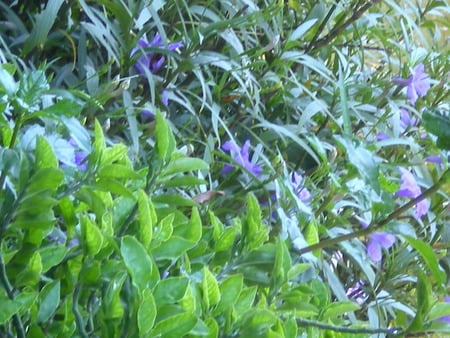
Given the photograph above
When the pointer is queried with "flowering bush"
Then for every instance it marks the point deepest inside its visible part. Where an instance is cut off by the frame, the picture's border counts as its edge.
(221, 169)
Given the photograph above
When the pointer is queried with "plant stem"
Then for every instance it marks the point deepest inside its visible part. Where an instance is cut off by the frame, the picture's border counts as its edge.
(10, 292)
(371, 228)
(392, 331)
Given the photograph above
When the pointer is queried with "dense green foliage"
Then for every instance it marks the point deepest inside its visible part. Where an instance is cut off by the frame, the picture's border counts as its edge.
(129, 209)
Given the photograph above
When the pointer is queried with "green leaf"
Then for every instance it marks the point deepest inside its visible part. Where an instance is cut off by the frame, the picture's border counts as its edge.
(146, 313)
(246, 300)
(32, 86)
(45, 179)
(438, 123)
(7, 83)
(175, 200)
(191, 231)
(429, 257)
(170, 290)
(92, 235)
(363, 160)
(9, 308)
(137, 262)
(48, 301)
(175, 326)
(184, 164)
(301, 29)
(45, 158)
(173, 248)
(147, 218)
(165, 142)
(44, 22)
(210, 288)
(52, 256)
(439, 310)
(337, 309)
(112, 302)
(254, 232)
(282, 264)
(423, 291)
(117, 171)
(229, 289)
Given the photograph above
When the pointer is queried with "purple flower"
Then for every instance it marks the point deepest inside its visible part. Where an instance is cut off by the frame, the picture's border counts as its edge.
(164, 99)
(406, 120)
(79, 157)
(417, 84)
(302, 193)
(410, 188)
(382, 137)
(447, 317)
(241, 156)
(152, 61)
(356, 292)
(377, 241)
(434, 159)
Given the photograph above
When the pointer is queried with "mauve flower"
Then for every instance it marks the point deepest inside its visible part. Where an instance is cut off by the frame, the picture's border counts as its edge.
(447, 317)
(410, 188)
(382, 137)
(377, 241)
(302, 193)
(241, 156)
(152, 61)
(164, 99)
(417, 84)
(406, 120)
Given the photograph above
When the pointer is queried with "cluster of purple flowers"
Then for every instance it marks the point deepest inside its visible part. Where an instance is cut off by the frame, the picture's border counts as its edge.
(151, 63)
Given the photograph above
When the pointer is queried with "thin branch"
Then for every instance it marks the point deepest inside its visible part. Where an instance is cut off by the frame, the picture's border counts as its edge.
(339, 29)
(392, 331)
(10, 292)
(371, 228)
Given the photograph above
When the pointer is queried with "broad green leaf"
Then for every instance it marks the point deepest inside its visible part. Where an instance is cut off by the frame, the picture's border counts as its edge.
(23, 300)
(99, 143)
(115, 153)
(175, 326)
(43, 179)
(92, 235)
(117, 171)
(210, 288)
(191, 231)
(146, 313)
(184, 164)
(173, 248)
(429, 257)
(31, 275)
(137, 262)
(32, 86)
(229, 289)
(282, 264)
(7, 82)
(45, 157)
(165, 142)
(170, 290)
(312, 235)
(438, 123)
(226, 240)
(337, 309)
(113, 186)
(246, 300)
(112, 302)
(52, 256)
(147, 218)
(255, 233)
(48, 301)
(165, 229)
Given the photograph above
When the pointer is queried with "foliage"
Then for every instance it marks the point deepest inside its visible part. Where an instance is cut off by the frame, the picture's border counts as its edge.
(129, 208)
